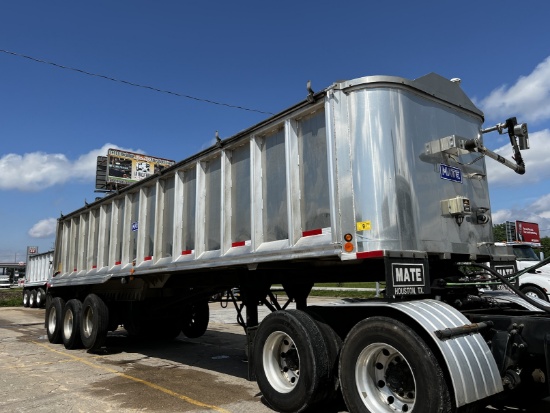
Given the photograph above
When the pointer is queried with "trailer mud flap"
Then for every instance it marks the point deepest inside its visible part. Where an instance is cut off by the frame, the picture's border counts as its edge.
(471, 366)
(406, 276)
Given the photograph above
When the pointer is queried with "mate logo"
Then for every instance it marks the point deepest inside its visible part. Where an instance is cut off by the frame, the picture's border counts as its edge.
(450, 173)
(505, 269)
(408, 275)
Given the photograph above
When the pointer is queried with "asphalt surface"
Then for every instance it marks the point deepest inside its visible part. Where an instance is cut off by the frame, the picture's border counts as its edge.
(184, 375)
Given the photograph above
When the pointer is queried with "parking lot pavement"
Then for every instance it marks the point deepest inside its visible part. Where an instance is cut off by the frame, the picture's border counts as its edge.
(184, 375)
(200, 375)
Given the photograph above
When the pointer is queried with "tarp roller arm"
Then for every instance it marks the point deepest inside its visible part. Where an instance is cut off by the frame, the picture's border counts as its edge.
(519, 138)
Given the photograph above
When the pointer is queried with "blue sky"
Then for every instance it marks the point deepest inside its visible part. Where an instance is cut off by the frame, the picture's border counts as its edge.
(258, 55)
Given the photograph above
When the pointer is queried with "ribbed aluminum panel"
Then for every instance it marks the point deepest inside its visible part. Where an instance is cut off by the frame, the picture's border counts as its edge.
(38, 269)
(471, 365)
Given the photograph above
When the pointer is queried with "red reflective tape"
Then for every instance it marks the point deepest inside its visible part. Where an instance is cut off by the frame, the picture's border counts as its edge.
(118, 262)
(74, 270)
(147, 258)
(94, 267)
(238, 244)
(186, 252)
(370, 254)
(312, 232)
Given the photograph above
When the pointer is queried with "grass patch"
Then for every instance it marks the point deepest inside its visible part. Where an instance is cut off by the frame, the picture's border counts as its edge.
(343, 294)
(347, 285)
(12, 297)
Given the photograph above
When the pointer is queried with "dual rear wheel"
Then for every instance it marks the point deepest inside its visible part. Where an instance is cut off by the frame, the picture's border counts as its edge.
(77, 324)
(298, 358)
(383, 366)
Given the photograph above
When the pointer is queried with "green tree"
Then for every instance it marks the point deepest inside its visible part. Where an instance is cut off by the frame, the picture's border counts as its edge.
(545, 242)
(499, 232)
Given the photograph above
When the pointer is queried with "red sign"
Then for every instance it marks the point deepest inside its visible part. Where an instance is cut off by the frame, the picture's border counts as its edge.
(528, 232)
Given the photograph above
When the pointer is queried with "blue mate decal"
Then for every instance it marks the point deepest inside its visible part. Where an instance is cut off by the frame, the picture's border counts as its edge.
(450, 173)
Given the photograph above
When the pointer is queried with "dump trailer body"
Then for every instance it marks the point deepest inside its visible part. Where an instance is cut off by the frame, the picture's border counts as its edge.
(364, 158)
(374, 179)
(37, 274)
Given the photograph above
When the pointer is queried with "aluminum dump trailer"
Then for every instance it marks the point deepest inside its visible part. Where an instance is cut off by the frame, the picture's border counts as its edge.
(378, 179)
(38, 271)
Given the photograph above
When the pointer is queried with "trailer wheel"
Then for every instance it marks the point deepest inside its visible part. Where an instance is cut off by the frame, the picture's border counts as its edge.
(71, 324)
(54, 319)
(26, 298)
(195, 319)
(32, 299)
(532, 291)
(94, 322)
(293, 367)
(40, 297)
(386, 367)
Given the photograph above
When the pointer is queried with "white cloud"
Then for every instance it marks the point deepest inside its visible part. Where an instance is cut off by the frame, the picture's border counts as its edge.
(44, 228)
(38, 170)
(542, 206)
(528, 98)
(536, 162)
(538, 212)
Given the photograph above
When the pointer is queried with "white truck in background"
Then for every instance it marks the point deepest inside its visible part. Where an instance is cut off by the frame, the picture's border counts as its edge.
(535, 283)
(39, 270)
(522, 237)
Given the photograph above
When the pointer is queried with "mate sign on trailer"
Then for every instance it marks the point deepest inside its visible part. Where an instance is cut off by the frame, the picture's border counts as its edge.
(375, 179)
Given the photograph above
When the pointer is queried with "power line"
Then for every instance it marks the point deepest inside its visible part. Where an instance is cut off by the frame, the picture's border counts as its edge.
(85, 72)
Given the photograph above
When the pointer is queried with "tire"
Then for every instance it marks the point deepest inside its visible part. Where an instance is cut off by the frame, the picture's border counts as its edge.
(385, 367)
(94, 322)
(532, 291)
(293, 370)
(26, 298)
(40, 298)
(333, 343)
(195, 319)
(54, 319)
(32, 299)
(70, 332)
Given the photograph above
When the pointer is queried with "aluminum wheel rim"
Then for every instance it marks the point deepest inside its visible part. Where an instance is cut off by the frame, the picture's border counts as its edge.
(281, 362)
(531, 294)
(385, 380)
(87, 322)
(52, 320)
(68, 323)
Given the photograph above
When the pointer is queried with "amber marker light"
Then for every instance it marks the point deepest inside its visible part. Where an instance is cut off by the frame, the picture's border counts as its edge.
(348, 246)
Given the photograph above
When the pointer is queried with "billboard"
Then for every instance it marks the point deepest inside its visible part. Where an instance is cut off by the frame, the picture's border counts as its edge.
(527, 232)
(127, 167)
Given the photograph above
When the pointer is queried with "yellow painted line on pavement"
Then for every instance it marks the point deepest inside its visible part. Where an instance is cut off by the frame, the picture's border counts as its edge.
(137, 380)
